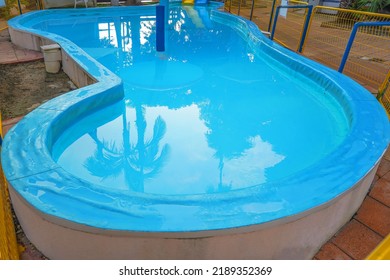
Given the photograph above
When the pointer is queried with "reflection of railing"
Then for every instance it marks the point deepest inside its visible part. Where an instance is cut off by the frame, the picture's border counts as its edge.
(8, 244)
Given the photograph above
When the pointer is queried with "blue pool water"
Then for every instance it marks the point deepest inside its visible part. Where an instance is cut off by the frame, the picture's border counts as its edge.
(222, 129)
(207, 115)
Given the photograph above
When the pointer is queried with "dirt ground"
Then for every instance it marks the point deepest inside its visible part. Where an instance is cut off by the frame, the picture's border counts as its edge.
(25, 86)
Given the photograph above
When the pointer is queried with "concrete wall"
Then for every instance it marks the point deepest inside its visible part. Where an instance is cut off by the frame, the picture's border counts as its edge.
(65, 3)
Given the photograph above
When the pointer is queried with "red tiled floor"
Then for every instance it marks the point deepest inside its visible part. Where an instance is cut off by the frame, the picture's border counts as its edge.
(384, 168)
(356, 240)
(387, 176)
(381, 191)
(331, 252)
(374, 215)
(7, 124)
(387, 155)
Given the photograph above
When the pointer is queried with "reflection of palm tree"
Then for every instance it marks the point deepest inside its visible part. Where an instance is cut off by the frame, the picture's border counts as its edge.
(226, 135)
(221, 186)
(138, 162)
(231, 123)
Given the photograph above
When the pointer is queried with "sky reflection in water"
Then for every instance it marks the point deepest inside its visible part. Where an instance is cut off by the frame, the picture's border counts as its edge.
(205, 116)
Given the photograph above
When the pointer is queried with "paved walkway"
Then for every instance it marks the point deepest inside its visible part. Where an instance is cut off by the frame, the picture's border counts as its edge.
(9, 53)
(354, 241)
(369, 225)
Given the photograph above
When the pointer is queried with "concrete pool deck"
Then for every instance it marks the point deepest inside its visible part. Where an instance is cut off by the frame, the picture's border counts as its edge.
(9, 53)
(355, 240)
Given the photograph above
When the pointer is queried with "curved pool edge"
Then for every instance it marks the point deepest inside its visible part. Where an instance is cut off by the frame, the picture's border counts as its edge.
(98, 88)
(291, 238)
(30, 144)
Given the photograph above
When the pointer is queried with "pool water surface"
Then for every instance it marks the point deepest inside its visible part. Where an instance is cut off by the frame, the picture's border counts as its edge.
(208, 115)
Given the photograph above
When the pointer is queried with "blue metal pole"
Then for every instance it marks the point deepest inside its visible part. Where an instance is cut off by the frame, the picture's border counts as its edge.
(352, 38)
(160, 28)
(252, 8)
(289, 7)
(271, 16)
(306, 26)
(20, 7)
(275, 21)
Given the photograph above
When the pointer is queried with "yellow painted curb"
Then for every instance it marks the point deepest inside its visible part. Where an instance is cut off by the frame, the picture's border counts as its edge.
(382, 251)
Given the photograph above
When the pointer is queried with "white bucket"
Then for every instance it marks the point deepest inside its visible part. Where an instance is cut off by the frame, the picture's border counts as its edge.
(52, 57)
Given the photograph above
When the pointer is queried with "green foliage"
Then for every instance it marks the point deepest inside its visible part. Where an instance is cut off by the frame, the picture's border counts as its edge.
(9, 5)
(6, 11)
(371, 5)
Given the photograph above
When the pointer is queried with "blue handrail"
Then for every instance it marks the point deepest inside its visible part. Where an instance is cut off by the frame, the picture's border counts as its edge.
(352, 38)
(306, 24)
(271, 16)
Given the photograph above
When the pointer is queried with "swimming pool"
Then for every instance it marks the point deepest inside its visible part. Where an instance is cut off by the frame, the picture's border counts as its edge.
(223, 137)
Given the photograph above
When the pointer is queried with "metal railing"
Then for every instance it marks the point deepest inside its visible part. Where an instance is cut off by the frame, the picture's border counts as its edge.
(384, 94)
(353, 36)
(327, 40)
(307, 12)
(327, 36)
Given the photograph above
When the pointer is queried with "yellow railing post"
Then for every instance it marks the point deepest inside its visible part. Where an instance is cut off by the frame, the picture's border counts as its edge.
(384, 94)
(8, 244)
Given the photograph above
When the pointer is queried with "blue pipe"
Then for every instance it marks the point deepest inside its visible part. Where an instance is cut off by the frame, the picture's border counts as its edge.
(352, 38)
